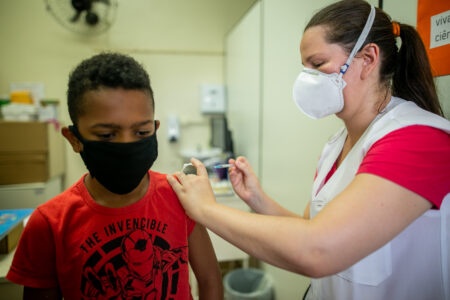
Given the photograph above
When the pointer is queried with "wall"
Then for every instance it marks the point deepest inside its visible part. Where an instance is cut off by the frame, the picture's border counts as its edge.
(290, 143)
(243, 78)
(180, 43)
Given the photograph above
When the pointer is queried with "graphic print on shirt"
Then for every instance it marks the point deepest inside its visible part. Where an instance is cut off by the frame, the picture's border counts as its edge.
(134, 265)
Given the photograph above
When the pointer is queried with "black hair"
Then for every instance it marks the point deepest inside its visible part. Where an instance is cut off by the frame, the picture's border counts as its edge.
(406, 71)
(112, 70)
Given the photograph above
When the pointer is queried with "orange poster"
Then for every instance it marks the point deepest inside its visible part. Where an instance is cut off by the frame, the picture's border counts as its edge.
(433, 25)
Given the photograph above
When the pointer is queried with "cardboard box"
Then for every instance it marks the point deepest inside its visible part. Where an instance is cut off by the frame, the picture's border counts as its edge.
(30, 152)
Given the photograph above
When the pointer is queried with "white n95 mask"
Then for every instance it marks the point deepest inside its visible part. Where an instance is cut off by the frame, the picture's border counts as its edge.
(318, 94)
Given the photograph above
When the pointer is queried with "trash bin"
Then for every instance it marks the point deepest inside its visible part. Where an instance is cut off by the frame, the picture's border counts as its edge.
(248, 283)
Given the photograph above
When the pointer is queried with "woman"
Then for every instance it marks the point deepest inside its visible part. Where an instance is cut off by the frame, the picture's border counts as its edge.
(375, 227)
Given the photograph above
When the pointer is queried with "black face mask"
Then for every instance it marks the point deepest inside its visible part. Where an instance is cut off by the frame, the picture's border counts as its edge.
(119, 167)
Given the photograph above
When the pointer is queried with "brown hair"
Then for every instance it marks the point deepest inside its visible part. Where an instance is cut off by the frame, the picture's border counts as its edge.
(406, 70)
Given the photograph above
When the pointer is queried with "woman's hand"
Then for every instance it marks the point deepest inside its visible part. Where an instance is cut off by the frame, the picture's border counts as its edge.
(193, 191)
(245, 183)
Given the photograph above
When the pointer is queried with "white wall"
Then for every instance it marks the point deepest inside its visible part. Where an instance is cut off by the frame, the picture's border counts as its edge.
(243, 79)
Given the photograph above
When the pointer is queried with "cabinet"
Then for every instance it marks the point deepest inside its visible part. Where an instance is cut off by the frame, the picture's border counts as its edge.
(32, 170)
(26, 195)
(29, 195)
(32, 163)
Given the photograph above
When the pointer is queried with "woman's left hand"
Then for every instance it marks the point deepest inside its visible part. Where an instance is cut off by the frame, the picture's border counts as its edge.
(194, 191)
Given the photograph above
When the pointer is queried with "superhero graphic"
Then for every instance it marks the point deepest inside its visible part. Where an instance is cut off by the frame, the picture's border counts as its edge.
(133, 266)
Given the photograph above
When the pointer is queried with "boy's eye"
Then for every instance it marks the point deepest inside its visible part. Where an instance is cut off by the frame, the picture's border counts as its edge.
(105, 136)
(143, 133)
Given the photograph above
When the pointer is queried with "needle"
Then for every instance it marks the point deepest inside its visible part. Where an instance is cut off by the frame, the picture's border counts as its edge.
(222, 166)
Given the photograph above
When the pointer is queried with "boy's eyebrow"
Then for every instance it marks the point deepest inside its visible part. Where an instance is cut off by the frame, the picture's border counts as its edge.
(105, 125)
(116, 126)
(143, 123)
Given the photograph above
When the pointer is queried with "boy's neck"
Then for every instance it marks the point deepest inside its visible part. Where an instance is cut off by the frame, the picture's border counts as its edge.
(104, 197)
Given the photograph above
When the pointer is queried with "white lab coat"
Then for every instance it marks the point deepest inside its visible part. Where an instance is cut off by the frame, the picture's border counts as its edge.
(416, 263)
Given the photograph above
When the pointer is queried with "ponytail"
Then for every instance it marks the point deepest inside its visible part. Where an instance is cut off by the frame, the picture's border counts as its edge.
(413, 79)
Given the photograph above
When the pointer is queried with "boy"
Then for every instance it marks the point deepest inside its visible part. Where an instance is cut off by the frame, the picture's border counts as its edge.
(119, 232)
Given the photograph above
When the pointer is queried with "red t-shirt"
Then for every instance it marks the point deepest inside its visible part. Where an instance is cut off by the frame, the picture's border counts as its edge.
(94, 252)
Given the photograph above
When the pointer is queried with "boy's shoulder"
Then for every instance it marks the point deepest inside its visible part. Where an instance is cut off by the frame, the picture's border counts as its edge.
(69, 197)
(155, 175)
(158, 181)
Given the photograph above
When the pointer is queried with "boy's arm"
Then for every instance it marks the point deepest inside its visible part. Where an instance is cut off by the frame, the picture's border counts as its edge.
(204, 263)
(34, 263)
(38, 294)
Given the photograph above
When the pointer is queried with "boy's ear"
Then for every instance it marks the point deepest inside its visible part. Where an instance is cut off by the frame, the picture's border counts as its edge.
(77, 146)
